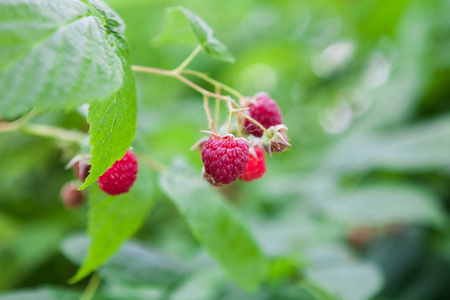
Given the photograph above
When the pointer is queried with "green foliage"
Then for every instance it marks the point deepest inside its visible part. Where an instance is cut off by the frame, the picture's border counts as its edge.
(217, 228)
(132, 265)
(174, 31)
(364, 91)
(112, 219)
(113, 121)
(41, 294)
(384, 204)
(60, 59)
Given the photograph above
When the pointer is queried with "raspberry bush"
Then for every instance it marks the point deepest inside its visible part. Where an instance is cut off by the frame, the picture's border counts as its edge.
(101, 198)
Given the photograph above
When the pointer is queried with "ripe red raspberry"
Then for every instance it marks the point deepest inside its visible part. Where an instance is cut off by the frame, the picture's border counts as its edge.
(256, 166)
(120, 177)
(225, 158)
(71, 196)
(264, 110)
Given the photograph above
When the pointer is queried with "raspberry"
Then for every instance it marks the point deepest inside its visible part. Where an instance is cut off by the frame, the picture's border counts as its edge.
(71, 196)
(225, 158)
(81, 170)
(256, 166)
(120, 177)
(264, 110)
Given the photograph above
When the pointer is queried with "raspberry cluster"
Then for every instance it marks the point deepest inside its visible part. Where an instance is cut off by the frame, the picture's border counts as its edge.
(227, 158)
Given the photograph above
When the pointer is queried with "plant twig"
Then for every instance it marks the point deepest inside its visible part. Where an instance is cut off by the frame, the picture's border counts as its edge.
(217, 108)
(91, 288)
(52, 132)
(150, 162)
(211, 124)
(184, 80)
(11, 126)
(188, 60)
(252, 120)
(230, 109)
(214, 82)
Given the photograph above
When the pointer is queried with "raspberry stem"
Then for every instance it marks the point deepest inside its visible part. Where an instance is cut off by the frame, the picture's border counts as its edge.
(91, 288)
(230, 109)
(41, 129)
(183, 79)
(214, 82)
(236, 111)
(188, 60)
(217, 112)
(150, 162)
(211, 124)
(52, 132)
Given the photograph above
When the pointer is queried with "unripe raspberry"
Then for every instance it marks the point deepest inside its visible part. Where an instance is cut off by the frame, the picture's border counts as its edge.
(81, 170)
(120, 177)
(225, 158)
(71, 196)
(264, 110)
(361, 236)
(256, 166)
(277, 141)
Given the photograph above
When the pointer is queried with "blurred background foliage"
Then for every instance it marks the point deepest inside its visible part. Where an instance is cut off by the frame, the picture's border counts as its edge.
(358, 208)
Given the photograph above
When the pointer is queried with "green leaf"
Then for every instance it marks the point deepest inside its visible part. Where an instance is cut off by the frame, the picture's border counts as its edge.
(112, 121)
(112, 219)
(385, 204)
(174, 30)
(359, 281)
(417, 148)
(41, 294)
(215, 225)
(112, 124)
(55, 54)
(333, 268)
(132, 265)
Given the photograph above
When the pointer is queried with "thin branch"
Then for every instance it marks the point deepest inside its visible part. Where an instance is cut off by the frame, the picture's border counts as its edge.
(211, 124)
(188, 60)
(150, 162)
(254, 121)
(217, 108)
(184, 80)
(230, 109)
(214, 82)
(91, 288)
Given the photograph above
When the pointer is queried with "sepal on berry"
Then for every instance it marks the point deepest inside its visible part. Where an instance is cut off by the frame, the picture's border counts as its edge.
(278, 141)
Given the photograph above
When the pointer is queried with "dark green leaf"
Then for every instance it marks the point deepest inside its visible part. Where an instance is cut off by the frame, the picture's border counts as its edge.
(112, 219)
(133, 264)
(55, 54)
(215, 225)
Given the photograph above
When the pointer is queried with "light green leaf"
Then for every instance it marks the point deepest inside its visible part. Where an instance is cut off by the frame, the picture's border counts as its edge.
(215, 225)
(359, 281)
(385, 204)
(56, 54)
(41, 294)
(421, 147)
(112, 123)
(174, 31)
(133, 264)
(112, 219)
